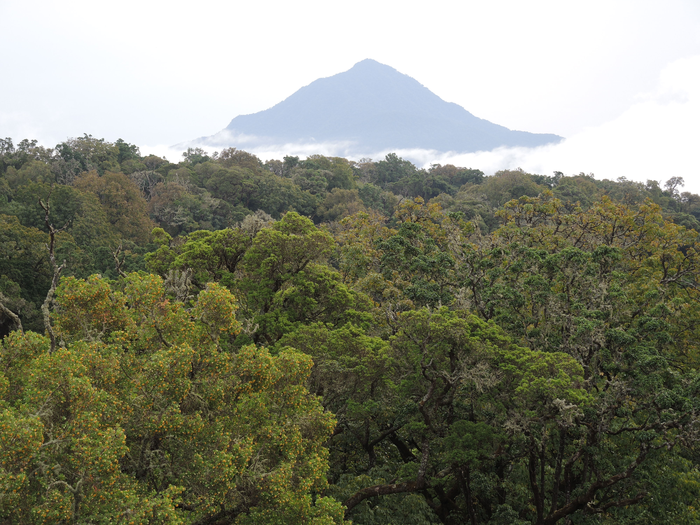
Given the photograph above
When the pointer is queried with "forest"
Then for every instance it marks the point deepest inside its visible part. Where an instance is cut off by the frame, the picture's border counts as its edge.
(325, 341)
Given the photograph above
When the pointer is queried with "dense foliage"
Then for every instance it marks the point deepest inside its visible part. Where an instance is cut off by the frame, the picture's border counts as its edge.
(324, 341)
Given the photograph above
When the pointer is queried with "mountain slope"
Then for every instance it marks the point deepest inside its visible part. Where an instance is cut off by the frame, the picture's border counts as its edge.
(375, 108)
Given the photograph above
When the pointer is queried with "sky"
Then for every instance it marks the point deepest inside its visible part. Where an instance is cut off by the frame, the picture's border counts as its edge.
(620, 80)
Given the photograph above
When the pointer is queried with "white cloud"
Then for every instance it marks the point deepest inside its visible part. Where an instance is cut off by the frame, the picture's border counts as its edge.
(170, 153)
(657, 138)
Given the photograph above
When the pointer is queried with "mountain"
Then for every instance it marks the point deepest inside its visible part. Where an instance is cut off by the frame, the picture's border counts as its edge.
(367, 109)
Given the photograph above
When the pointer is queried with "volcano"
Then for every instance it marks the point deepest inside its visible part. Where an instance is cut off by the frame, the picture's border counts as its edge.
(370, 108)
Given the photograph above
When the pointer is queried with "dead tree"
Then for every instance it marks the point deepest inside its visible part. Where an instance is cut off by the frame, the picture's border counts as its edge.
(118, 262)
(51, 246)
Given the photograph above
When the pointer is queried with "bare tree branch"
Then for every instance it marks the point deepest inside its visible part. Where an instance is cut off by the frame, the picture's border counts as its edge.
(45, 308)
(9, 319)
(392, 488)
(118, 263)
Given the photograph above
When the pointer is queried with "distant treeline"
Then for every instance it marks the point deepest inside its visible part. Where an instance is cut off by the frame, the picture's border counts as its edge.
(105, 195)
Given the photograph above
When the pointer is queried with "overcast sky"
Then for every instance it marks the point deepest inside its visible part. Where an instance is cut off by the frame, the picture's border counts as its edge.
(619, 79)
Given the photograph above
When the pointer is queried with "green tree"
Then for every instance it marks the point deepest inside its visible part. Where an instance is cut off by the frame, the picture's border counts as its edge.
(339, 204)
(144, 417)
(286, 284)
(392, 169)
(25, 272)
(449, 404)
(126, 151)
(234, 157)
(122, 202)
(605, 293)
(81, 154)
(506, 185)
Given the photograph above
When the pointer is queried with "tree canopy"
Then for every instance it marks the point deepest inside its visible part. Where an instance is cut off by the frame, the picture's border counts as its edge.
(229, 341)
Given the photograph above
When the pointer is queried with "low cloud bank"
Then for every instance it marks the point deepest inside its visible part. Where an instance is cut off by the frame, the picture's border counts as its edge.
(656, 138)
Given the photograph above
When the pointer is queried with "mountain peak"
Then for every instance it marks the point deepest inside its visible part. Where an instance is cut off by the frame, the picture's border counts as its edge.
(371, 107)
(369, 64)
